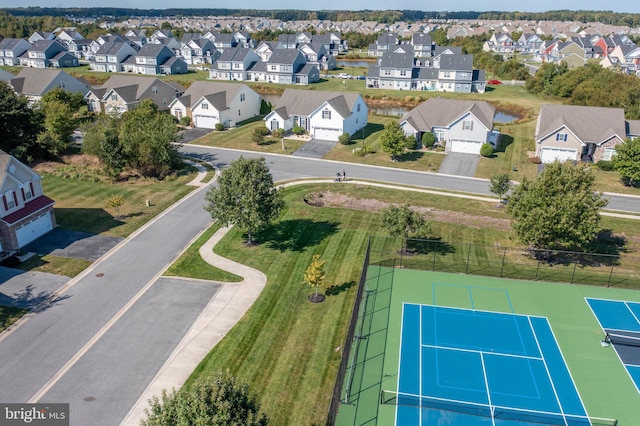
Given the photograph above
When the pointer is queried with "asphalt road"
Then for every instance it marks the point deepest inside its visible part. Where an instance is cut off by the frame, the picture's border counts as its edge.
(38, 349)
(288, 167)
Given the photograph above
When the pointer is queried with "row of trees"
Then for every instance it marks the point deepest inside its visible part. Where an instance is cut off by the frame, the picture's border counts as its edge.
(590, 85)
(34, 130)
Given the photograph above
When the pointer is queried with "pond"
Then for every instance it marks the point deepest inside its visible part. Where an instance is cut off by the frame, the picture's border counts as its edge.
(504, 117)
(351, 64)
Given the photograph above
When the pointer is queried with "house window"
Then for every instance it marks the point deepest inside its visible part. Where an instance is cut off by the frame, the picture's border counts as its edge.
(447, 74)
(463, 75)
(326, 114)
(403, 73)
(440, 135)
(239, 113)
(27, 192)
(467, 125)
(608, 153)
(561, 137)
(205, 105)
(358, 108)
(164, 101)
(10, 200)
(154, 90)
(114, 97)
(387, 72)
(61, 85)
(242, 97)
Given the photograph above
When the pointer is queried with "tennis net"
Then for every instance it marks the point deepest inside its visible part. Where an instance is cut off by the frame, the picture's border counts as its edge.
(623, 339)
(494, 412)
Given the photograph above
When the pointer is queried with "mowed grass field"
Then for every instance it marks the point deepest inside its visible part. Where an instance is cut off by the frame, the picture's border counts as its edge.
(287, 348)
(604, 385)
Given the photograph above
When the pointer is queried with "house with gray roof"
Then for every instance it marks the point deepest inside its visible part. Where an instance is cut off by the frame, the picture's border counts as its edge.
(581, 133)
(233, 64)
(11, 49)
(208, 103)
(110, 57)
(155, 59)
(447, 73)
(34, 83)
(288, 66)
(198, 51)
(46, 54)
(123, 93)
(323, 115)
(459, 125)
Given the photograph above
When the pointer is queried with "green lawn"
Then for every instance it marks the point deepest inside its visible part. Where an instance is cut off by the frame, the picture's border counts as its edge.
(67, 266)
(81, 205)
(289, 349)
(9, 315)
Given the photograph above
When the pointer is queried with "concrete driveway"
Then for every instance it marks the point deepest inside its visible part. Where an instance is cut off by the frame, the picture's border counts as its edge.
(459, 164)
(315, 148)
(28, 289)
(79, 245)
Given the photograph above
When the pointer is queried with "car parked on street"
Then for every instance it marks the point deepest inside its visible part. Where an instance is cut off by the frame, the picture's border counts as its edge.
(494, 82)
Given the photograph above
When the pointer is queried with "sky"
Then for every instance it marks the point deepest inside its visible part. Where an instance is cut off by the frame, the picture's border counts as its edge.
(621, 6)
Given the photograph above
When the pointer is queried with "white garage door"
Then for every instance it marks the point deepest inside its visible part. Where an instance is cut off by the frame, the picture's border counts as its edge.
(205, 121)
(327, 134)
(470, 147)
(549, 155)
(34, 229)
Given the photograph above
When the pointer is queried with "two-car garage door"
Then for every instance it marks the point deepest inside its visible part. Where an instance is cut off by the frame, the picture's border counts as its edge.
(205, 121)
(327, 134)
(549, 155)
(37, 227)
(466, 146)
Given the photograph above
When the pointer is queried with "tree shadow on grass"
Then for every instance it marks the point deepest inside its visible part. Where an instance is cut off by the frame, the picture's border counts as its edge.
(505, 141)
(336, 289)
(296, 234)
(409, 156)
(428, 246)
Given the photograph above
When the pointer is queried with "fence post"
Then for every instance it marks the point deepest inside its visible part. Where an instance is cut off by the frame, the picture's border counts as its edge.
(573, 274)
(504, 254)
(433, 267)
(401, 250)
(468, 257)
(610, 274)
(537, 269)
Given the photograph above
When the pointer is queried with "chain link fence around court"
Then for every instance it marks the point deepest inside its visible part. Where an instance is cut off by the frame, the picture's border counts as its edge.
(507, 262)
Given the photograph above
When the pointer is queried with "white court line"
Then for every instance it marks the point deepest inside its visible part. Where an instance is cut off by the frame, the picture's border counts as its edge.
(477, 351)
(548, 373)
(486, 386)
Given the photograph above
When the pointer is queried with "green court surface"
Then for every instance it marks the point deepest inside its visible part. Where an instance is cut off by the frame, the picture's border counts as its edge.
(601, 379)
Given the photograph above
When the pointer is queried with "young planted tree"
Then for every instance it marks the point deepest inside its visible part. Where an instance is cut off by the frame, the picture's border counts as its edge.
(627, 161)
(557, 210)
(219, 400)
(314, 276)
(500, 184)
(392, 139)
(116, 201)
(245, 196)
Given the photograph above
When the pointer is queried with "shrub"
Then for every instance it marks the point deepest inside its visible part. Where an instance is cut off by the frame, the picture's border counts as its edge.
(360, 152)
(531, 145)
(299, 130)
(605, 165)
(278, 133)
(185, 121)
(345, 138)
(219, 127)
(535, 160)
(258, 134)
(486, 150)
(428, 140)
(410, 142)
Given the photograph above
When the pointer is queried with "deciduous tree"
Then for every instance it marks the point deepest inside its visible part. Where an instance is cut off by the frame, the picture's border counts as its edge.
(627, 161)
(500, 184)
(405, 222)
(245, 196)
(392, 139)
(314, 275)
(557, 210)
(218, 400)
(19, 124)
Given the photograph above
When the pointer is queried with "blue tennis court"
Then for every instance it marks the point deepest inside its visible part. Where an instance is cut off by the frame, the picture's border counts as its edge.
(621, 319)
(470, 367)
